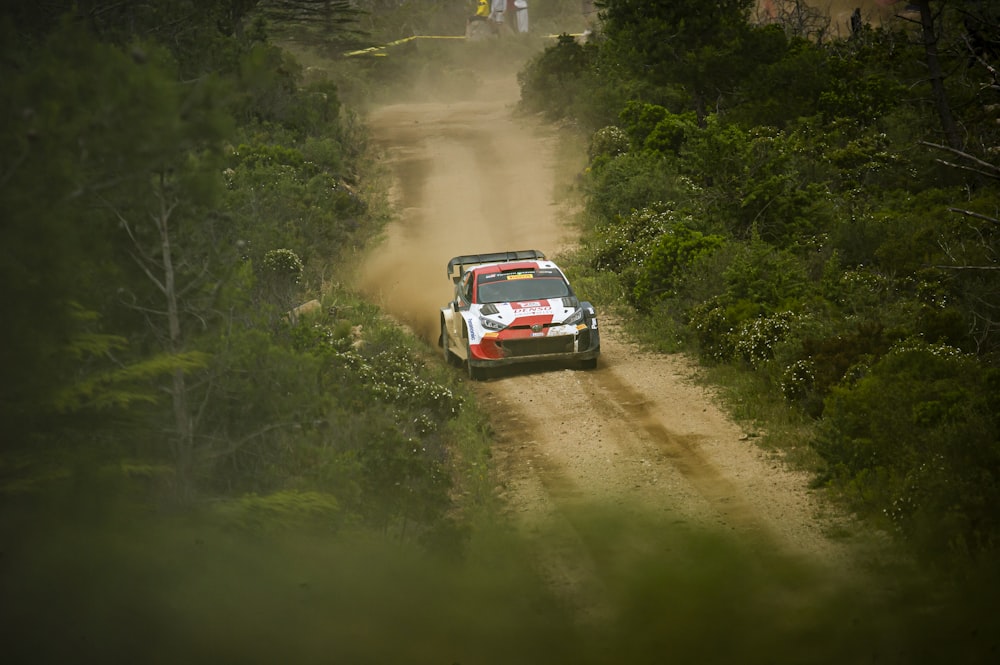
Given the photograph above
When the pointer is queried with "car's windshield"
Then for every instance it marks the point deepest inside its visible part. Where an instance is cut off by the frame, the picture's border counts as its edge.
(512, 290)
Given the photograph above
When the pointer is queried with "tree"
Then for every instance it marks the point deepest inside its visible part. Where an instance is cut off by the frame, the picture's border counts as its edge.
(688, 43)
(930, 38)
(112, 250)
(328, 24)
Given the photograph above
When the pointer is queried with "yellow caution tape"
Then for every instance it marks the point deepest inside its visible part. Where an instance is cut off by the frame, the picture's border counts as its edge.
(375, 50)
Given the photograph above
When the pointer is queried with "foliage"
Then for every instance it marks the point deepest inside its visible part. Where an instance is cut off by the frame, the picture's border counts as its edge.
(280, 512)
(653, 127)
(687, 44)
(824, 204)
(915, 439)
(283, 264)
(160, 229)
(331, 24)
(554, 82)
(630, 182)
(608, 142)
(673, 254)
(752, 181)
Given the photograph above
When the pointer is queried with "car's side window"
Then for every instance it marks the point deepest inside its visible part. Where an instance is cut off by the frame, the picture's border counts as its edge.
(465, 289)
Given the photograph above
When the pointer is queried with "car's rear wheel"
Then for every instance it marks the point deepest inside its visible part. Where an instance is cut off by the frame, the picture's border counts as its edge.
(589, 363)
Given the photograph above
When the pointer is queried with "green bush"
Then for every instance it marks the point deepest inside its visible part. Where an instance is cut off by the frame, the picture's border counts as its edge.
(627, 240)
(916, 441)
(554, 81)
(754, 340)
(824, 361)
(608, 142)
(634, 181)
(638, 119)
(652, 127)
(282, 264)
(766, 278)
(712, 330)
(672, 255)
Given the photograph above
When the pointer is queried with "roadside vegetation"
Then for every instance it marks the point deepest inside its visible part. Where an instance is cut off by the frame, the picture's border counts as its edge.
(813, 211)
(182, 363)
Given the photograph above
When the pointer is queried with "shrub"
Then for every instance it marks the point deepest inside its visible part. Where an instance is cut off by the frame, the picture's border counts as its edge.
(672, 255)
(766, 277)
(634, 181)
(282, 264)
(670, 134)
(639, 119)
(608, 141)
(824, 362)
(712, 329)
(552, 83)
(916, 439)
(628, 239)
(754, 340)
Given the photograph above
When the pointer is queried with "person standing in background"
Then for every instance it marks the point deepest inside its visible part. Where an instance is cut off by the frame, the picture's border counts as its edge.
(521, 11)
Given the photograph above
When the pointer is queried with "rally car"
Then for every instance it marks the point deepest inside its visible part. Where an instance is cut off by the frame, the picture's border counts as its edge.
(515, 307)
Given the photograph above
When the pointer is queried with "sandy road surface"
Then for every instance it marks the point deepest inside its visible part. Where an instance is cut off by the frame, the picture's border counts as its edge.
(636, 436)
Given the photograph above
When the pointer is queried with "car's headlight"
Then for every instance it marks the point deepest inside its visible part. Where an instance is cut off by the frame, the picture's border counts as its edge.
(575, 317)
(490, 324)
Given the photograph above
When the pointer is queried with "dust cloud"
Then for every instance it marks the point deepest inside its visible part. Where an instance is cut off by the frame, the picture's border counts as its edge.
(470, 177)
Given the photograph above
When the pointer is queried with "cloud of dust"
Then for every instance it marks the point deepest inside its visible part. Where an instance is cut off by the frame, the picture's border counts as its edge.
(470, 177)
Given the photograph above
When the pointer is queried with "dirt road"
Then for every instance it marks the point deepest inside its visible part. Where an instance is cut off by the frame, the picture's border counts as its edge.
(634, 439)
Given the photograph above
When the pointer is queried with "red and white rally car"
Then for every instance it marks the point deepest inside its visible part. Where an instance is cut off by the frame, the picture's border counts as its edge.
(515, 307)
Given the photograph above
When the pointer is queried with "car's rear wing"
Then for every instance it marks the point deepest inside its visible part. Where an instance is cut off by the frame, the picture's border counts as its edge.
(458, 265)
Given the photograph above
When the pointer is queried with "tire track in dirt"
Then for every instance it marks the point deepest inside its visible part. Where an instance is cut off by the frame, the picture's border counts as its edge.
(682, 453)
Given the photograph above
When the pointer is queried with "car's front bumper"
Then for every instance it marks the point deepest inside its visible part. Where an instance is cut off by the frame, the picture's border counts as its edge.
(579, 343)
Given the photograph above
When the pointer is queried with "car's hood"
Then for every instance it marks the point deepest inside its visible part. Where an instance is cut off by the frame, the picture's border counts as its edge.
(530, 311)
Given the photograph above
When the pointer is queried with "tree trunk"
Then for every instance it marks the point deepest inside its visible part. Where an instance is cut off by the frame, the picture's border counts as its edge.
(183, 445)
(940, 96)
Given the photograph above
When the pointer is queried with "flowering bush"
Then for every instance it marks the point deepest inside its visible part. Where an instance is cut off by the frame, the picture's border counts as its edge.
(282, 263)
(608, 141)
(754, 340)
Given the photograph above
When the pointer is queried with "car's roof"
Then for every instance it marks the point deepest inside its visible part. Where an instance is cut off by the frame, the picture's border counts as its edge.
(513, 266)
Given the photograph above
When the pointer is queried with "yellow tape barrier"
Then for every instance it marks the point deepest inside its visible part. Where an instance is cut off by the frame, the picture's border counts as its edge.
(376, 50)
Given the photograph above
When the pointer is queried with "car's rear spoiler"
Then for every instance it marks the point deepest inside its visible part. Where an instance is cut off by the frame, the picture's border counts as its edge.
(458, 265)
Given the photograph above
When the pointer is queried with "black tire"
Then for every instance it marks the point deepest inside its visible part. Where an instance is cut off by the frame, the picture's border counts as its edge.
(449, 357)
(475, 373)
(589, 363)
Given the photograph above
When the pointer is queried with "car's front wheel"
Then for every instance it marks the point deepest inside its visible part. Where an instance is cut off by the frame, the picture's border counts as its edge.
(475, 373)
